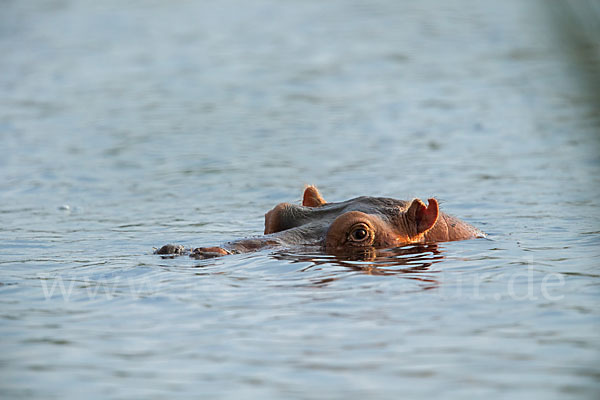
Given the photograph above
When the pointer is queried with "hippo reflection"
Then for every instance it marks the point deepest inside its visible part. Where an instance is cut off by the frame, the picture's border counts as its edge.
(356, 225)
(412, 262)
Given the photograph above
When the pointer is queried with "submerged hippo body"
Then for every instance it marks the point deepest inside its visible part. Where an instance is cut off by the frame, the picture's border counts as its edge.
(357, 224)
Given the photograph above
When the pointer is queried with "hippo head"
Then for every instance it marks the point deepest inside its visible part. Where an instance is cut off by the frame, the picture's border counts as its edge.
(356, 224)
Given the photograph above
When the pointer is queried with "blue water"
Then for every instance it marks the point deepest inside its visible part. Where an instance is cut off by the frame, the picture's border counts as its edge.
(128, 125)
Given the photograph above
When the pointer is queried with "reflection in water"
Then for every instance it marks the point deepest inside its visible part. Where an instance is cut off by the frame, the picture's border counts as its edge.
(410, 261)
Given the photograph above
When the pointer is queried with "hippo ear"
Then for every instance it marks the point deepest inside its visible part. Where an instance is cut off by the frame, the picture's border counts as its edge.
(312, 197)
(423, 216)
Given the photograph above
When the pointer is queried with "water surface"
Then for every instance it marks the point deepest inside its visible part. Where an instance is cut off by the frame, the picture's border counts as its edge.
(128, 125)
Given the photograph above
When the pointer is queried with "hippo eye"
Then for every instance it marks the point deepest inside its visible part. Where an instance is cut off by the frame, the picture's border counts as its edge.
(359, 233)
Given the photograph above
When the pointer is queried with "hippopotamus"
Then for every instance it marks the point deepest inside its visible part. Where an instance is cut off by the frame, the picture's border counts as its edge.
(359, 224)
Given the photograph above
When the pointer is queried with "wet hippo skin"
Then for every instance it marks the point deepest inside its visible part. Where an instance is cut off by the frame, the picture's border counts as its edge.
(344, 227)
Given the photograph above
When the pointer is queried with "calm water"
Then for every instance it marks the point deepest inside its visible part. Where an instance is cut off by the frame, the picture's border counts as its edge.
(128, 125)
